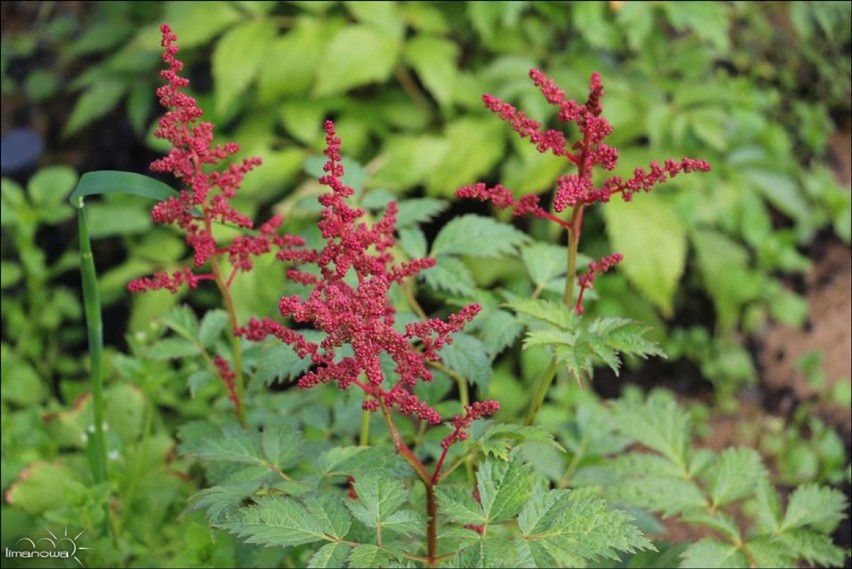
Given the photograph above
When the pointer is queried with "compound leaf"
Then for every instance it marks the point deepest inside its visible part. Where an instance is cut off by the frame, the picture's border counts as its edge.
(562, 531)
(736, 476)
(378, 498)
(814, 505)
(658, 423)
(504, 487)
(329, 556)
(477, 236)
(285, 522)
(711, 553)
(459, 506)
(468, 356)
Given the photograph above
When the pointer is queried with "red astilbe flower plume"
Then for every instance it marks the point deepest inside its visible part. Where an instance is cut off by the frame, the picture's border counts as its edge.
(205, 197)
(577, 190)
(587, 153)
(349, 302)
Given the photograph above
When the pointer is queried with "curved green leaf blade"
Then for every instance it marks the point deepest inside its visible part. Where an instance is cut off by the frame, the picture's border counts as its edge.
(116, 182)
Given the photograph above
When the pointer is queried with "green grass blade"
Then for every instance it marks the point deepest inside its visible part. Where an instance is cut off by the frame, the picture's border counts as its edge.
(94, 327)
(95, 183)
(115, 182)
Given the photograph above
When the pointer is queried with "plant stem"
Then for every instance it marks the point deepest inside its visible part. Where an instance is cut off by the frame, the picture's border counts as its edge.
(573, 246)
(239, 381)
(94, 328)
(431, 503)
(364, 439)
(432, 526)
(542, 384)
(464, 399)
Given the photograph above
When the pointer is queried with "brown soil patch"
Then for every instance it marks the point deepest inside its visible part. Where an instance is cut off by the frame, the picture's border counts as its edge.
(829, 330)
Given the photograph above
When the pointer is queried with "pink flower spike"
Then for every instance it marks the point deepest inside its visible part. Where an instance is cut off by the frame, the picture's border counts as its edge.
(349, 302)
(206, 194)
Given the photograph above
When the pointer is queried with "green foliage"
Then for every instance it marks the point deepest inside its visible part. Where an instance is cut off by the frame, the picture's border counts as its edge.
(697, 485)
(751, 87)
(652, 238)
(561, 530)
(577, 344)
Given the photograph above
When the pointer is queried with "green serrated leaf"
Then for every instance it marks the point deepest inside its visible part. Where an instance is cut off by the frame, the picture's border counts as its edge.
(368, 555)
(486, 551)
(197, 22)
(356, 461)
(563, 531)
(199, 379)
(767, 552)
(378, 499)
(271, 451)
(658, 423)
(737, 473)
(724, 265)
(468, 356)
(815, 548)
(477, 236)
(504, 487)
(712, 553)
(408, 161)
(544, 262)
(780, 190)
(284, 522)
(385, 17)
(329, 556)
(418, 210)
(473, 147)
(173, 348)
(551, 312)
(500, 329)
(664, 494)
(813, 505)
(223, 500)
(212, 325)
(768, 514)
(450, 274)
(275, 361)
(626, 336)
(599, 347)
(49, 186)
(499, 438)
(182, 320)
(718, 521)
(406, 522)
(459, 506)
(291, 61)
(550, 337)
(413, 243)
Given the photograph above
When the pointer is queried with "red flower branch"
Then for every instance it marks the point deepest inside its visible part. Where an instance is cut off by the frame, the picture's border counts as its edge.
(208, 186)
(349, 303)
(205, 196)
(596, 268)
(574, 191)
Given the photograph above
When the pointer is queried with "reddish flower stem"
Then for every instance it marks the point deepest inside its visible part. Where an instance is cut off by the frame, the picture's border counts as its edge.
(417, 465)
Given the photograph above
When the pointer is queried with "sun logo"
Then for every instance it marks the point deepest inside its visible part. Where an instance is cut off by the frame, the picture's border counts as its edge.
(53, 547)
